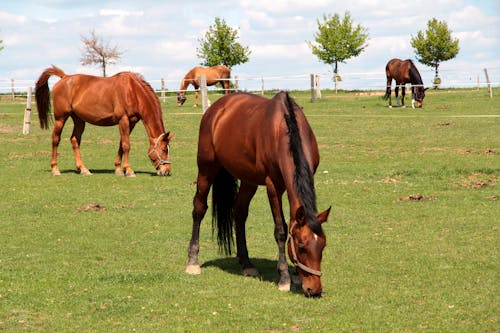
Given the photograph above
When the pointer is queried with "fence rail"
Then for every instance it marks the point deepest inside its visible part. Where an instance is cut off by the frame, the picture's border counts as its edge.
(480, 78)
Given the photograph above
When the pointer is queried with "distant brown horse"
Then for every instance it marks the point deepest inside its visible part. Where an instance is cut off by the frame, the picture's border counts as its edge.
(404, 72)
(267, 142)
(214, 75)
(122, 99)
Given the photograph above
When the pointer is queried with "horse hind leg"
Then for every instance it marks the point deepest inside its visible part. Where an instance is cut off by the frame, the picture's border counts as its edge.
(245, 195)
(56, 139)
(200, 206)
(76, 139)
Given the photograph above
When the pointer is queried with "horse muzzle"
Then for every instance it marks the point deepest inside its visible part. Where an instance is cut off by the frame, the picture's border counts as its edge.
(163, 170)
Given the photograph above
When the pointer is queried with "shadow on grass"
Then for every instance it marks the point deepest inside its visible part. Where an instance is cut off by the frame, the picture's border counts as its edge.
(106, 171)
(267, 269)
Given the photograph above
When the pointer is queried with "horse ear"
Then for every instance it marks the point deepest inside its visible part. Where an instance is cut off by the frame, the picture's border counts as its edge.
(426, 88)
(323, 217)
(300, 216)
(168, 136)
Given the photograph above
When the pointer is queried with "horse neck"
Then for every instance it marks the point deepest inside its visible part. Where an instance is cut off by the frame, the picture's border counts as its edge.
(415, 75)
(152, 119)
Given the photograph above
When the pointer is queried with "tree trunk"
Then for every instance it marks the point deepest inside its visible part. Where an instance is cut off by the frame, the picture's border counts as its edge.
(104, 67)
(335, 70)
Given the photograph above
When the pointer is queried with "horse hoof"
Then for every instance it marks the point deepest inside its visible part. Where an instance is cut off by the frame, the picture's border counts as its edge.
(284, 287)
(56, 173)
(251, 271)
(390, 106)
(119, 173)
(193, 269)
(130, 174)
(85, 173)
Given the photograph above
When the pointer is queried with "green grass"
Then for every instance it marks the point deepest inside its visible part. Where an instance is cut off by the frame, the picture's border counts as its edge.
(392, 264)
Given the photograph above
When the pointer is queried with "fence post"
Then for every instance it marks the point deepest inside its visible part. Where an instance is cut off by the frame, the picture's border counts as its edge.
(488, 82)
(236, 87)
(318, 87)
(262, 85)
(203, 88)
(313, 90)
(12, 89)
(27, 113)
(163, 90)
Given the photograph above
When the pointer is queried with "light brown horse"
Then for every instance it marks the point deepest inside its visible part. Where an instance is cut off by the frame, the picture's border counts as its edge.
(122, 99)
(404, 71)
(214, 75)
(267, 142)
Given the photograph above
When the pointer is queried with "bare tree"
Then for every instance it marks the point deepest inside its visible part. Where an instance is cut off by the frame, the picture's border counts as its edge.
(96, 51)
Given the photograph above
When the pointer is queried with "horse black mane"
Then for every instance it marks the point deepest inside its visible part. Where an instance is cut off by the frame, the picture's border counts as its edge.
(303, 177)
(414, 74)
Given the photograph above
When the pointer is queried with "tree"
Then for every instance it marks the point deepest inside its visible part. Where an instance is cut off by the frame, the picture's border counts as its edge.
(338, 40)
(435, 45)
(219, 47)
(95, 51)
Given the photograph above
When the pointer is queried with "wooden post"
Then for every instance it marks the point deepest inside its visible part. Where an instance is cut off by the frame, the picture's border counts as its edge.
(317, 86)
(236, 87)
(262, 85)
(488, 82)
(27, 113)
(163, 90)
(12, 89)
(203, 89)
(313, 90)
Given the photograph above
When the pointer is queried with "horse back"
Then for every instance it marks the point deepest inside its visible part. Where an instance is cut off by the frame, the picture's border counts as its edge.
(248, 135)
(98, 100)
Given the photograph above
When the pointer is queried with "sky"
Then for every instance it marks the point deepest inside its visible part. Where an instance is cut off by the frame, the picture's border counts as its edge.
(159, 38)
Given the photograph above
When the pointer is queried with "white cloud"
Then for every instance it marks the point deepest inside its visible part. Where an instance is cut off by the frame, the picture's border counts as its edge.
(8, 19)
(119, 12)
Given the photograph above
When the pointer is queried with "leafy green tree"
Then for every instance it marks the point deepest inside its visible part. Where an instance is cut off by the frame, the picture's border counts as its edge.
(338, 40)
(220, 46)
(435, 45)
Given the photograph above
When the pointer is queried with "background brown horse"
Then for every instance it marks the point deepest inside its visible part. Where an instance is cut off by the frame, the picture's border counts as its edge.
(261, 142)
(122, 99)
(404, 71)
(214, 75)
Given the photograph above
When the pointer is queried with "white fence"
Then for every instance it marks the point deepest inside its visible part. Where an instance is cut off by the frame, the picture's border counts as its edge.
(10, 89)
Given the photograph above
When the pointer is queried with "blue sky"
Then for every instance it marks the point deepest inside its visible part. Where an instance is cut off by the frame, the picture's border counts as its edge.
(160, 37)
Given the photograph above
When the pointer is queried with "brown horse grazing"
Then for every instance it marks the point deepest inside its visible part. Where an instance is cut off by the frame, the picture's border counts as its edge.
(122, 99)
(214, 75)
(268, 142)
(404, 72)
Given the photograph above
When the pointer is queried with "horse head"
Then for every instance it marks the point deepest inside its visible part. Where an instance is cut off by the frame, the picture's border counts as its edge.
(305, 250)
(160, 154)
(419, 95)
(181, 98)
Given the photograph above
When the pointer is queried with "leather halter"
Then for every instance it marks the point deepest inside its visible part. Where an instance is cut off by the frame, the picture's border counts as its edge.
(295, 259)
(155, 150)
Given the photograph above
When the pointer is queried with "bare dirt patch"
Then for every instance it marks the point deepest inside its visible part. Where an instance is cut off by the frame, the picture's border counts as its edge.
(94, 207)
(416, 197)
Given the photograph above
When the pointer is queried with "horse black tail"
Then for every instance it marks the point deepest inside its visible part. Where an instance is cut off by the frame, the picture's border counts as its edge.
(224, 192)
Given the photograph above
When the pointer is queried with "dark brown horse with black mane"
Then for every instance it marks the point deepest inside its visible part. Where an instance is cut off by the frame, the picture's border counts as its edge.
(214, 75)
(122, 99)
(267, 142)
(403, 72)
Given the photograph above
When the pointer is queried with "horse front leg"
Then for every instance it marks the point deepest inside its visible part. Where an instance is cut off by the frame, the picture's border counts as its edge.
(124, 148)
(280, 234)
(200, 207)
(119, 156)
(76, 139)
(245, 195)
(403, 91)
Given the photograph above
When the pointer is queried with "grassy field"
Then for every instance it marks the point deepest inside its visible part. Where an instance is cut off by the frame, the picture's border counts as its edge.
(413, 240)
